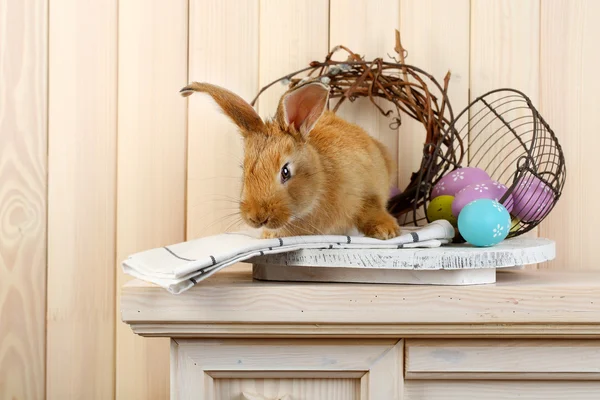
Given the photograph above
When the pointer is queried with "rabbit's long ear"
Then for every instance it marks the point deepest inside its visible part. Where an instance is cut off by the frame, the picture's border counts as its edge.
(236, 108)
(302, 107)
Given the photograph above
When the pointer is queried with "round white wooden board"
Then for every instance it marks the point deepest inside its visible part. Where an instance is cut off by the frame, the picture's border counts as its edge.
(455, 264)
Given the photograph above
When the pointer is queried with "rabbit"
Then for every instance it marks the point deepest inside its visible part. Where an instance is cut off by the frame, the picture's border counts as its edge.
(306, 171)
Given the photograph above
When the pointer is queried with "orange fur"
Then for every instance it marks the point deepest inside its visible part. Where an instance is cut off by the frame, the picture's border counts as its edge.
(340, 175)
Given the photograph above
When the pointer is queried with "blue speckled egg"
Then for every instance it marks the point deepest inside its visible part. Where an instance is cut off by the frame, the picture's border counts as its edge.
(484, 222)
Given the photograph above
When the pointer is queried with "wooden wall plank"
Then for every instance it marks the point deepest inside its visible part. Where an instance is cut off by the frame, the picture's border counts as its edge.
(351, 25)
(23, 201)
(81, 199)
(152, 166)
(505, 46)
(435, 34)
(215, 147)
(569, 102)
(505, 38)
(292, 34)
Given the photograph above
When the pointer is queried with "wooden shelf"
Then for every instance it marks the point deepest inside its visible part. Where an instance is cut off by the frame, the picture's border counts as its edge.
(231, 304)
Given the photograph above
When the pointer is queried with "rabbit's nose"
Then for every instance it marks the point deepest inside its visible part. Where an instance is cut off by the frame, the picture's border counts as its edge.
(259, 220)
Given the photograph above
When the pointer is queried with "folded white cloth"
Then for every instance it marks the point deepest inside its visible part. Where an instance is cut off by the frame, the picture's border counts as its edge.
(180, 266)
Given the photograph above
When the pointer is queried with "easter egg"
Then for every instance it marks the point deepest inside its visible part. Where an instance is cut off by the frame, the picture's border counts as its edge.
(488, 189)
(394, 191)
(532, 198)
(458, 179)
(484, 222)
(514, 225)
(441, 208)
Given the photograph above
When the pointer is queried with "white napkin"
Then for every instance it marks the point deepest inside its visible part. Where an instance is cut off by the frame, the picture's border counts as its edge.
(180, 266)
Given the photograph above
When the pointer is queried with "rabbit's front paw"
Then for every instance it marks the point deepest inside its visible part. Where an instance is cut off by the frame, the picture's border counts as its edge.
(268, 234)
(382, 226)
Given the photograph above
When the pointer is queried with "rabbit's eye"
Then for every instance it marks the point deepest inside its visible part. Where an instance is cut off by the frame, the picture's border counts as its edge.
(285, 173)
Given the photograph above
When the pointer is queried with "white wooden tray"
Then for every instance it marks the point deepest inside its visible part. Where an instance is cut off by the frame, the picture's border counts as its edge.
(456, 264)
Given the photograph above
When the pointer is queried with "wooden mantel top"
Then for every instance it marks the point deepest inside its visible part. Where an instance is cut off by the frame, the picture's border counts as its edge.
(525, 303)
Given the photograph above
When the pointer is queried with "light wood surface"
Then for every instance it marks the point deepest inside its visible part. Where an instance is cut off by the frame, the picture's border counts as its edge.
(152, 164)
(520, 303)
(214, 368)
(292, 34)
(507, 390)
(369, 40)
(82, 123)
(435, 34)
(569, 87)
(278, 389)
(285, 273)
(23, 201)
(506, 359)
(509, 253)
(223, 50)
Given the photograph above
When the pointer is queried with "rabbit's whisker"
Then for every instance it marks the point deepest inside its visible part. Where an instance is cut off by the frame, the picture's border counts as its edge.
(219, 220)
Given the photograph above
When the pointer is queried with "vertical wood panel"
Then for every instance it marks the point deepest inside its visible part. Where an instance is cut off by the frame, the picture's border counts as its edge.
(352, 24)
(81, 199)
(292, 34)
(23, 177)
(282, 388)
(570, 85)
(436, 36)
(151, 166)
(223, 51)
(505, 48)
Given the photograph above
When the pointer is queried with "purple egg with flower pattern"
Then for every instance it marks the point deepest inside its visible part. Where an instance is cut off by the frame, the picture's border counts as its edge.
(457, 180)
(488, 189)
(533, 199)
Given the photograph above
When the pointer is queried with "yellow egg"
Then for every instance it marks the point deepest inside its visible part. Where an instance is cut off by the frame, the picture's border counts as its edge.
(514, 225)
(441, 208)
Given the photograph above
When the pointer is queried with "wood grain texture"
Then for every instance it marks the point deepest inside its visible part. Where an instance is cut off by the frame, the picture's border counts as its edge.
(569, 103)
(23, 201)
(351, 25)
(152, 166)
(495, 359)
(223, 50)
(298, 368)
(292, 34)
(368, 275)
(81, 199)
(505, 46)
(313, 389)
(523, 300)
(553, 330)
(385, 379)
(436, 35)
(509, 253)
(506, 390)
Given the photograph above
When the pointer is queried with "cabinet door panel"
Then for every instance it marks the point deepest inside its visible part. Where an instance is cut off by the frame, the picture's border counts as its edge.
(502, 359)
(299, 369)
(501, 390)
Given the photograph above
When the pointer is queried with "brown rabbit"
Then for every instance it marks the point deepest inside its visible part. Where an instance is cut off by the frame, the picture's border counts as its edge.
(307, 171)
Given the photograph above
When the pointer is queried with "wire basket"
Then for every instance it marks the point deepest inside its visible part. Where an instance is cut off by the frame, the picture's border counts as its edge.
(502, 133)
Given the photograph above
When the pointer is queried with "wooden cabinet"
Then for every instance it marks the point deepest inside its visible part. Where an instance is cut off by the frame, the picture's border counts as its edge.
(532, 335)
(325, 369)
